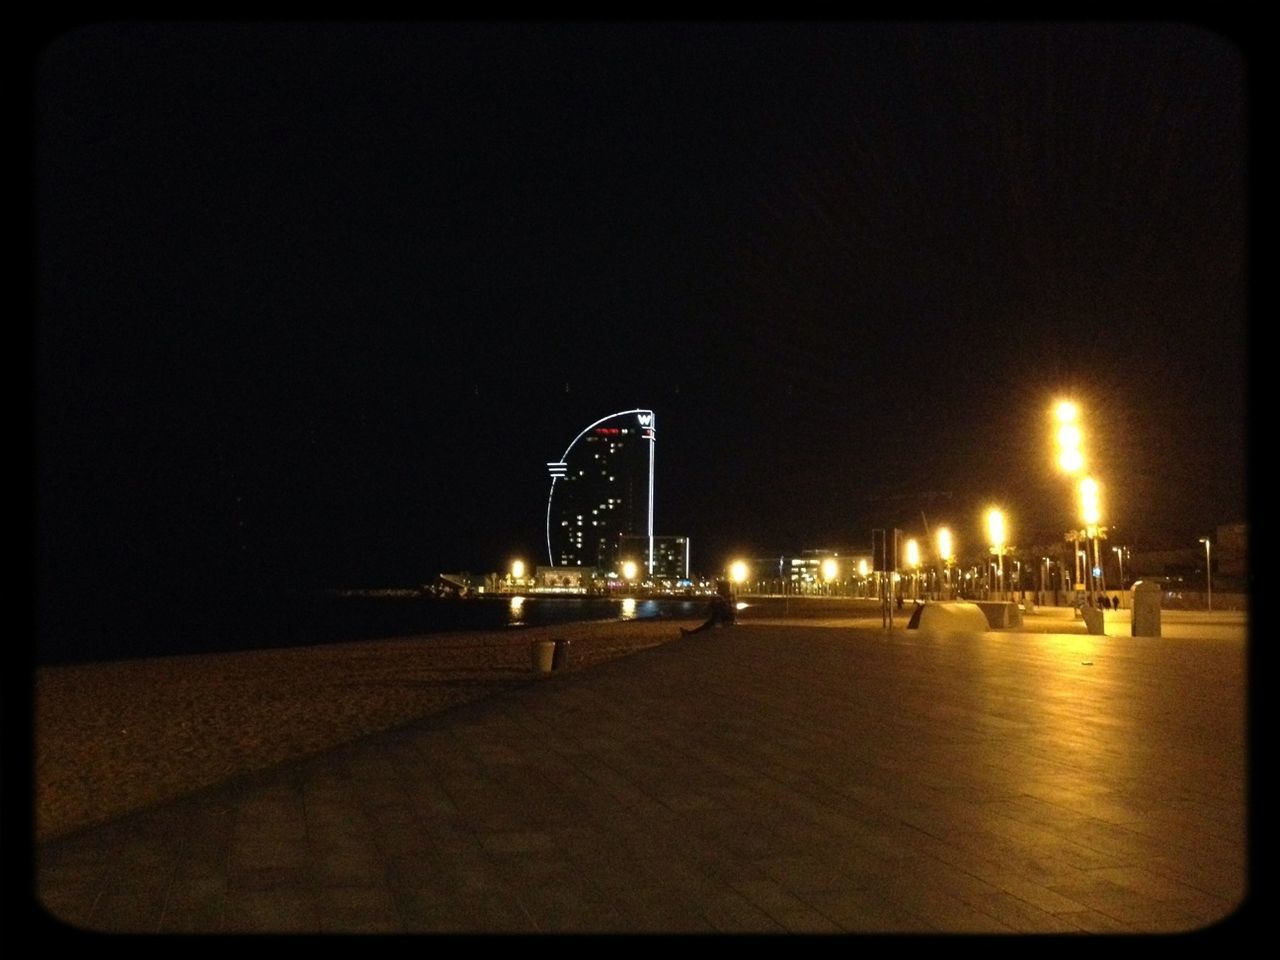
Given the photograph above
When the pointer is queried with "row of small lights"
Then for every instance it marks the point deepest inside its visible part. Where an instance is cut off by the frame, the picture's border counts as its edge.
(1070, 461)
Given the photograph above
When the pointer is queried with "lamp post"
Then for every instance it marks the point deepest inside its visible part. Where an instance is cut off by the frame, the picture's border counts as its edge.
(830, 569)
(1208, 570)
(996, 534)
(1070, 458)
(1119, 552)
(945, 553)
(913, 561)
(1091, 512)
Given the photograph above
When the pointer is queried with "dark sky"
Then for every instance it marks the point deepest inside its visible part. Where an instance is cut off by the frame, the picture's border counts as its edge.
(317, 302)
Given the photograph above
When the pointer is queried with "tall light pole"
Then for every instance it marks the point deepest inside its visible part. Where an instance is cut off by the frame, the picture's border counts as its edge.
(1119, 552)
(996, 535)
(1208, 569)
(1091, 513)
(830, 570)
(913, 561)
(1070, 459)
(945, 553)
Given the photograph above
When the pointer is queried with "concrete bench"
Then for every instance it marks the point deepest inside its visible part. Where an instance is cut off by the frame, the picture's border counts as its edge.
(1001, 614)
(948, 617)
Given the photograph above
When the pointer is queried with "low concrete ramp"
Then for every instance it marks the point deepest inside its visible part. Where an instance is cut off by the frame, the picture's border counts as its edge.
(948, 617)
(1001, 614)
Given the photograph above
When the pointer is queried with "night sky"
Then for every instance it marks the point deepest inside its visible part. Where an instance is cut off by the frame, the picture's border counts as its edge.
(316, 303)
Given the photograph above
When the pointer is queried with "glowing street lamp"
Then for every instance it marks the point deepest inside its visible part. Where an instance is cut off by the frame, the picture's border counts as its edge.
(1208, 569)
(862, 574)
(945, 554)
(830, 568)
(996, 535)
(1091, 514)
(1070, 445)
(629, 570)
(913, 561)
(738, 572)
(1070, 441)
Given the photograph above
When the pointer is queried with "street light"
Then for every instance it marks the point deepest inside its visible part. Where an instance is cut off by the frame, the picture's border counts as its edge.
(1091, 513)
(1070, 441)
(1208, 569)
(996, 534)
(1070, 445)
(913, 561)
(830, 568)
(1119, 552)
(945, 553)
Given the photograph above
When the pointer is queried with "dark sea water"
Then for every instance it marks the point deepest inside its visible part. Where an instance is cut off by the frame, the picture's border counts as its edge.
(121, 629)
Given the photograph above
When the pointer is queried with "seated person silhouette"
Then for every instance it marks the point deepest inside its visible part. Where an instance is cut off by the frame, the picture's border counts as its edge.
(722, 610)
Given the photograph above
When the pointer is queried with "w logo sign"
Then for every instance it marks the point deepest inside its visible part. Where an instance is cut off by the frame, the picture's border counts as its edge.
(646, 419)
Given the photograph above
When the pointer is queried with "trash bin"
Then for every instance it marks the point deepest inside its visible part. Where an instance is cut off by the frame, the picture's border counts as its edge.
(560, 659)
(543, 655)
(1094, 622)
(1145, 601)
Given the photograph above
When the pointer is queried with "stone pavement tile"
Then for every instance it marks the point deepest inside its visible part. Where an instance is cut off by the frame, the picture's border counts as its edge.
(358, 909)
(1019, 916)
(867, 911)
(519, 841)
(731, 912)
(135, 907)
(652, 907)
(434, 911)
(570, 904)
(70, 902)
(274, 910)
(1090, 921)
(1225, 879)
(196, 903)
(799, 872)
(266, 863)
(793, 913)
(345, 861)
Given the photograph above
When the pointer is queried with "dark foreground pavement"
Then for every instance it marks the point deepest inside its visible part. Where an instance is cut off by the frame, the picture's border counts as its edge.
(752, 779)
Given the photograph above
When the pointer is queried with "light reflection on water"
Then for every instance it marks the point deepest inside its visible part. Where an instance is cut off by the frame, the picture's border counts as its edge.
(535, 611)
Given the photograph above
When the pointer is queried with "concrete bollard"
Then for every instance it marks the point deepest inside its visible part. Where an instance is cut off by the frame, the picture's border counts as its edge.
(1145, 601)
(543, 655)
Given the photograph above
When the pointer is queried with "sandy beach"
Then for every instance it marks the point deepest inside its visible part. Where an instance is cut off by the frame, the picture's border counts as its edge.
(114, 738)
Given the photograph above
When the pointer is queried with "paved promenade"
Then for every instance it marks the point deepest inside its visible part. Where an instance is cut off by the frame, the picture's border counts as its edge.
(762, 778)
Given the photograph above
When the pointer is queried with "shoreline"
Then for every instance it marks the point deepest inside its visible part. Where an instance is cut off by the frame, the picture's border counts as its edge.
(117, 737)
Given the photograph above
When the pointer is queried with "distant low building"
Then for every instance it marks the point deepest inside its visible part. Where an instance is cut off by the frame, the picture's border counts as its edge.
(576, 580)
(670, 556)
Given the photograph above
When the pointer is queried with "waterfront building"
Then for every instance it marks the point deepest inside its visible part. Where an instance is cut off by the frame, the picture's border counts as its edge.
(602, 491)
(665, 557)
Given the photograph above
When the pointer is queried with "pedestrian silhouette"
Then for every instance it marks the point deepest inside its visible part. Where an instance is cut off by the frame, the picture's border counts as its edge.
(722, 610)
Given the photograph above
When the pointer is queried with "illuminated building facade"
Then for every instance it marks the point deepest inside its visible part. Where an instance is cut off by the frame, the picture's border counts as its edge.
(602, 491)
(670, 555)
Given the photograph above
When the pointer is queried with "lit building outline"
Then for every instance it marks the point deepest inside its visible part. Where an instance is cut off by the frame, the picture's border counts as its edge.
(647, 423)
